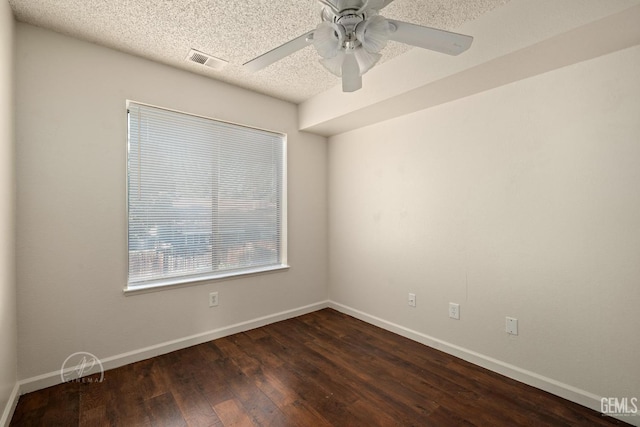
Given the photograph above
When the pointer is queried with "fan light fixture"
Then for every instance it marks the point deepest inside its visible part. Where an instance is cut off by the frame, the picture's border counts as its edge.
(350, 46)
(351, 36)
(328, 39)
(373, 33)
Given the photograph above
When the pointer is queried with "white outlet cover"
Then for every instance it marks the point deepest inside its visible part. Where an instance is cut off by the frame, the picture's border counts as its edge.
(412, 300)
(454, 310)
(213, 299)
(512, 326)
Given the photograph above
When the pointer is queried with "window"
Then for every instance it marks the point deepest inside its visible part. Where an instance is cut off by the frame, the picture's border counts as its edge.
(206, 199)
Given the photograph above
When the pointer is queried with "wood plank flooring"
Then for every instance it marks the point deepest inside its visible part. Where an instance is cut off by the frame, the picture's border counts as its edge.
(320, 369)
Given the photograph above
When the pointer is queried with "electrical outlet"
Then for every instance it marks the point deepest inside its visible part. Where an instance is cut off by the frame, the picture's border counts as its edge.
(412, 300)
(213, 299)
(454, 310)
(512, 326)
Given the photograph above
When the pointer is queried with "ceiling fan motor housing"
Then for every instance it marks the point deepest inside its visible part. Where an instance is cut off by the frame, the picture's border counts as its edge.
(344, 5)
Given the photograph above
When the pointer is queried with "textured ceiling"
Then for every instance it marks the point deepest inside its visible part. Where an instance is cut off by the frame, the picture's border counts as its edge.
(233, 30)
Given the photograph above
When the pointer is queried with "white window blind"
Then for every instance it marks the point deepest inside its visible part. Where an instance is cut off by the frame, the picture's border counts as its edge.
(205, 198)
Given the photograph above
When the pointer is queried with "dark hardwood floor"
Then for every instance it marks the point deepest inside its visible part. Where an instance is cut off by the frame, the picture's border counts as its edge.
(320, 369)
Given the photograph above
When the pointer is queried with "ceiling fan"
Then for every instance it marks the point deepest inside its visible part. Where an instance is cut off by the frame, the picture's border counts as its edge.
(352, 34)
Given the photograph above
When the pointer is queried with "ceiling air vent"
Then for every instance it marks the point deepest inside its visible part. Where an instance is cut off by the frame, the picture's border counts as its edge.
(206, 60)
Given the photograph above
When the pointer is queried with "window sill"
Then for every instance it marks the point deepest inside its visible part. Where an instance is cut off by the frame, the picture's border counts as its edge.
(181, 282)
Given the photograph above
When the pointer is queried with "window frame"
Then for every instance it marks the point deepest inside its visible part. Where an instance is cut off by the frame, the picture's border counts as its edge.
(196, 279)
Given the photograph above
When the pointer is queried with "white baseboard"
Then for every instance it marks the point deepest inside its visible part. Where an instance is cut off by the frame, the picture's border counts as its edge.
(541, 382)
(7, 414)
(550, 385)
(53, 378)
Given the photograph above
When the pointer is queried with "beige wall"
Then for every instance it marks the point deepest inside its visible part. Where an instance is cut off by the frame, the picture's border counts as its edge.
(71, 141)
(8, 325)
(522, 201)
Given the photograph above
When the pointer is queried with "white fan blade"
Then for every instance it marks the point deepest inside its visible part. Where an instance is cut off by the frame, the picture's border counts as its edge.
(279, 53)
(351, 78)
(429, 38)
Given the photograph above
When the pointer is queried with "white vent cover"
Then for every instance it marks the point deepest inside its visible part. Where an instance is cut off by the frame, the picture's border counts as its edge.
(206, 60)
